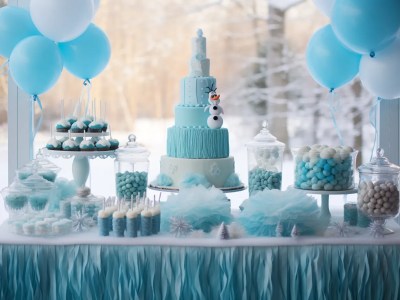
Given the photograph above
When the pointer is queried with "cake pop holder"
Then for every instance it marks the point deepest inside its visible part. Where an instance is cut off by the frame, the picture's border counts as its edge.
(325, 212)
(175, 189)
(80, 164)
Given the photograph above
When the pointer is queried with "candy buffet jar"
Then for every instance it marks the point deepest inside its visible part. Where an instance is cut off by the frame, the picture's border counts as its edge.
(264, 158)
(323, 168)
(378, 191)
(131, 169)
(42, 191)
(16, 198)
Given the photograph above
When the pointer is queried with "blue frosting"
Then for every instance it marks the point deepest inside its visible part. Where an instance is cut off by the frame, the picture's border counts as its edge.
(197, 142)
(191, 116)
(192, 180)
(232, 181)
(194, 90)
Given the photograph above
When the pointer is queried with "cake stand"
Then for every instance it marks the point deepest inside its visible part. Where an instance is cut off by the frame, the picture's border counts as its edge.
(325, 213)
(80, 164)
(175, 189)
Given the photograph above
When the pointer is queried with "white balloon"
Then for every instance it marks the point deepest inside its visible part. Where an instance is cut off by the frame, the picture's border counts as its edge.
(62, 20)
(325, 6)
(380, 74)
(96, 4)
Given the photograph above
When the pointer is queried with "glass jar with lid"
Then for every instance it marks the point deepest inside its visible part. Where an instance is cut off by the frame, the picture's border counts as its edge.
(131, 169)
(264, 158)
(378, 191)
(42, 190)
(16, 198)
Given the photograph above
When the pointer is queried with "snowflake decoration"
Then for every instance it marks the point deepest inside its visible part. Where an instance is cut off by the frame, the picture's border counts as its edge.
(179, 227)
(173, 168)
(81, 221)
(215, 170)
(341, 229)
(377, 229)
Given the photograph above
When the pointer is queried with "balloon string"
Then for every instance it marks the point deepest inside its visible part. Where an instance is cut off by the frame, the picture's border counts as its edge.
(87, 86)
(3, 68)
(333, 103)
(373, 119)
(35, 128)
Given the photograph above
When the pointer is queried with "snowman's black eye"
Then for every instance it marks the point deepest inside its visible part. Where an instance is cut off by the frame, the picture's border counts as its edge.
(215, 107)
(215, 118)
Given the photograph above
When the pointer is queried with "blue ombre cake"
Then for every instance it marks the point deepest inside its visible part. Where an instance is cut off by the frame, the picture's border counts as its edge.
(193, 148)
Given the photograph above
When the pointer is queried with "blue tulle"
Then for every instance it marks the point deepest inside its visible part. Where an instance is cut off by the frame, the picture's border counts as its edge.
(162, 180)
(200, 207)
(262, 212)
(194, 179)
(232, 181)
(63, 189)
(367, 272)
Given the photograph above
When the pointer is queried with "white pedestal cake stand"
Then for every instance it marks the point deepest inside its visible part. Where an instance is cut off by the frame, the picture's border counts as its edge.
(80, 164)
(325, 213)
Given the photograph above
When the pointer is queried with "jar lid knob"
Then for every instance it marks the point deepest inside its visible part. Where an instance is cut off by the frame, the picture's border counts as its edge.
(132, 138)
(380, 152)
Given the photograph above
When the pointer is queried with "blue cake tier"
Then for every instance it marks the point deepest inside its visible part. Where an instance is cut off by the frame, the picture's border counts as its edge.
(185, 142)
(194, 90)
(191, 116)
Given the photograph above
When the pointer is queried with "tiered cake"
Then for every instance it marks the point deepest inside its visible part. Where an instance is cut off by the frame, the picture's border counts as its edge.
(197, 146)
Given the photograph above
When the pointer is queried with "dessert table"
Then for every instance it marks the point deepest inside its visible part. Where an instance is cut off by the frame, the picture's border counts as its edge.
(85, 266)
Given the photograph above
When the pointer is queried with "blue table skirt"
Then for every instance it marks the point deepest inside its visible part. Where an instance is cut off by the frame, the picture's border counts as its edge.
(164, 272)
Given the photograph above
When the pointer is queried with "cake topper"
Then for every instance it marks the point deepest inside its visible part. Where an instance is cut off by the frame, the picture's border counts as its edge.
(214, 121)
(199, 32)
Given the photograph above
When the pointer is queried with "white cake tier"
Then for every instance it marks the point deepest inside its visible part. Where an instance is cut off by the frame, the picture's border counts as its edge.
(216, 170)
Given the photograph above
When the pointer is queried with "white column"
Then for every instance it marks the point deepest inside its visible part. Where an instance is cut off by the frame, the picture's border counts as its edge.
(20, 110)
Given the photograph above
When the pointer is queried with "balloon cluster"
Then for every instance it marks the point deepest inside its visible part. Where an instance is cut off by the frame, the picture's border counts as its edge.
(361, 39)
(53, 34)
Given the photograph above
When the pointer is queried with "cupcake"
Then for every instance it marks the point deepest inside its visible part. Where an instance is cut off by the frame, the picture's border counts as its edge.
(87, 145)
(95, 139)
(114, 143)
(103, 145)
(63, 126)
(72, 119)
(78, 126)
(95, 126)
(54, 144)
(87, 120)
(104, 125)
(70, 145)
(63, 139)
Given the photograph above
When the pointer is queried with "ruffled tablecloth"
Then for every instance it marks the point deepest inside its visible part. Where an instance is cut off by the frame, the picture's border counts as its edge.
(86, 266)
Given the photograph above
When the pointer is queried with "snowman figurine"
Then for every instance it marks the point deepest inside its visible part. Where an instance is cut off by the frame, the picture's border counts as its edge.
(214, 121)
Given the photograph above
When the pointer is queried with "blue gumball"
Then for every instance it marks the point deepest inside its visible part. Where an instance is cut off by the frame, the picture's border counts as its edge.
(366, 26)
(86, 56)
(15, 25)
(36, 64)
(329, 62)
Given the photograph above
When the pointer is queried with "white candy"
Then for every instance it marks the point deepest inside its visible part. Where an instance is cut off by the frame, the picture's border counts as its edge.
(378, 199)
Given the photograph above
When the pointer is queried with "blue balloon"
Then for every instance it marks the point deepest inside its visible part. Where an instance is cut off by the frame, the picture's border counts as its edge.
(15, 25)
(88, 55)
(329, 62)
(366, 26)
(36, 64)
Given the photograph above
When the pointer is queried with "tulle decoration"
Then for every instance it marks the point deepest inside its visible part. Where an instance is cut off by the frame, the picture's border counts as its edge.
(162, 180)
(232, 181)
(202, 208)
(192, 180)
(264, 210)
(64, 189)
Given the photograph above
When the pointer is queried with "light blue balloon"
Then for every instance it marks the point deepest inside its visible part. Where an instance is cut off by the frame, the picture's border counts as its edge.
(329, 62)
(15, 25)
(366, 26)
(88, 55)
(36, 64)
